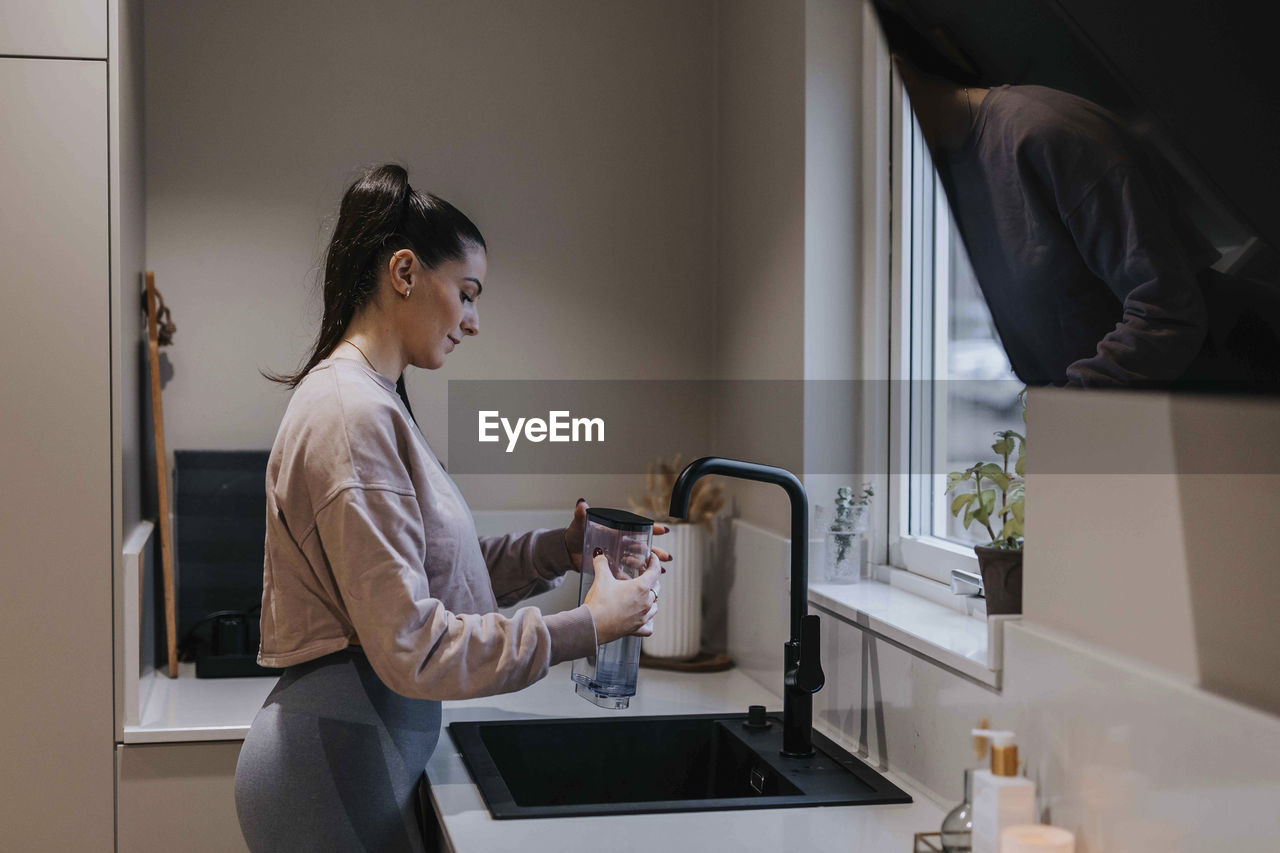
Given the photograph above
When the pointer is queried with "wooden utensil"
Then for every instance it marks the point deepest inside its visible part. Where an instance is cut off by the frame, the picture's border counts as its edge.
(162, 478)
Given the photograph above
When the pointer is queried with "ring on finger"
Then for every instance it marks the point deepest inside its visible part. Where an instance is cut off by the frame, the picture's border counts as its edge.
(655, 595)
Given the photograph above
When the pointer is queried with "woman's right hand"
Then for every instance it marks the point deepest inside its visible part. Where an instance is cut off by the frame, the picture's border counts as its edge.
(623, 607)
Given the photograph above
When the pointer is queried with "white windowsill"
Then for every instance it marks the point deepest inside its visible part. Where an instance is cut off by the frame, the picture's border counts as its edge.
(908, 612)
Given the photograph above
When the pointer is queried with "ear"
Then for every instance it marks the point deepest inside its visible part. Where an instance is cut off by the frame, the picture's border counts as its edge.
(400, 266)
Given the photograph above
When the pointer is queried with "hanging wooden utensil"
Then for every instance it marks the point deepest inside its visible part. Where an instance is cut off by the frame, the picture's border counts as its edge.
(162, 476)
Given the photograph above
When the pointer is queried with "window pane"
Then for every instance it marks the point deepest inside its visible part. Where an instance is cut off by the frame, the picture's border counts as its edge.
(981, 390)
(962, 387)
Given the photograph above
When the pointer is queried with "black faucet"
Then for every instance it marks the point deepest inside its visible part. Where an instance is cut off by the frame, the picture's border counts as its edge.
(802, 668)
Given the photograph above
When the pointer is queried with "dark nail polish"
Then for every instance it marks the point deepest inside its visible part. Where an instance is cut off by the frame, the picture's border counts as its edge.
(582, 500)
(596, 553)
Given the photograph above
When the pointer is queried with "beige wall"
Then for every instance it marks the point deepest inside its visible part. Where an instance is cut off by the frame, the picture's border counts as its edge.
(786, 248)
(759, 236)
(760, 87)
(831, 150)
(832, 321)
(1151, 524)
(576, 134)
(659, 183)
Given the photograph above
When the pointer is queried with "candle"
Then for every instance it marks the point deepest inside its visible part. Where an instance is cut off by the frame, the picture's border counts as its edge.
(1028, 838)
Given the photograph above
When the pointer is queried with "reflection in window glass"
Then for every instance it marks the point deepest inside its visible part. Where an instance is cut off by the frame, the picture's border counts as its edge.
(962, 388)
(981, 390)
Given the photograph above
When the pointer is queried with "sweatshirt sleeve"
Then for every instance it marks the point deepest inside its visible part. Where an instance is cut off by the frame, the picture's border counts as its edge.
(373, 540)
(526, 564)
(1129, 242)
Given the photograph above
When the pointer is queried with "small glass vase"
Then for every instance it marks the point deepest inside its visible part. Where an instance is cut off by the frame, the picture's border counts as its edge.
(845, 556)
(957, 826)
(846, 541)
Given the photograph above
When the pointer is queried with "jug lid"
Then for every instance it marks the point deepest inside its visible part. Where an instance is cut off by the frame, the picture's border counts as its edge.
(619, 519)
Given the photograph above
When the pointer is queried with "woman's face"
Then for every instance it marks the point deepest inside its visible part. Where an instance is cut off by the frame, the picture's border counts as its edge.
(441, 308)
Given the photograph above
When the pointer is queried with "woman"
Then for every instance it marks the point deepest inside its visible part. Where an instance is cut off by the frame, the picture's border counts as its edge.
(378, 597)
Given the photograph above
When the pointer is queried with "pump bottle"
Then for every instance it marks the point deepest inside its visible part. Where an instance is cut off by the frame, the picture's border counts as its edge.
(1001, 797)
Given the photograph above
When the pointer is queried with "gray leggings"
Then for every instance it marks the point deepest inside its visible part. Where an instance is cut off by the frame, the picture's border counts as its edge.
(332, 762)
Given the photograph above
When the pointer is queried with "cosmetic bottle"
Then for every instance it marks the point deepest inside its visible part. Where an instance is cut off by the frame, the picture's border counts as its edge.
(1001, 798)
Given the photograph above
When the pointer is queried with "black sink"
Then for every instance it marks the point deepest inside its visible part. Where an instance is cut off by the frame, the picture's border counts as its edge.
(594, 766)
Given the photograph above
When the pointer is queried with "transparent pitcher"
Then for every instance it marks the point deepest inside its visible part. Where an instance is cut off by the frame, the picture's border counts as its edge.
(608, 678)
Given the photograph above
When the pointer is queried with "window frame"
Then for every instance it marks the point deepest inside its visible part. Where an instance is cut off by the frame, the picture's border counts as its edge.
(912, 195)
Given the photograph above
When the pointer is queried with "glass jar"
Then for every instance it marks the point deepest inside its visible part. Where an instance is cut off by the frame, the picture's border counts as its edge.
(846, 545)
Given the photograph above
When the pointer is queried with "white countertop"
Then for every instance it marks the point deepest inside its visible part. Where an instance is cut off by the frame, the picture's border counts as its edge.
(194, 709)
(470, 829)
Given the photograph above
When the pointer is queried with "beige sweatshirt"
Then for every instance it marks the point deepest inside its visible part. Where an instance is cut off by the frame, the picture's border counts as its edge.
(369, 542)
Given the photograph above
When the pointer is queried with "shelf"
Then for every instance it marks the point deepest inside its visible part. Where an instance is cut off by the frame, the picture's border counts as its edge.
(187, 708)
(159, 709)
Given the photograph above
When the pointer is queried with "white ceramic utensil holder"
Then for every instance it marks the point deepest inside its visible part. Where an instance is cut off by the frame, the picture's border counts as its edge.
(677, 629)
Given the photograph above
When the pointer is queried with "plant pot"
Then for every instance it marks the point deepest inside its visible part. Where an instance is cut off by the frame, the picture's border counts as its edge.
(1001, 579)
(677, 629)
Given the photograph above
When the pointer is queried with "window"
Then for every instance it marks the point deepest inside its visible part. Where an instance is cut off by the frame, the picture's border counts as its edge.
(953, 385)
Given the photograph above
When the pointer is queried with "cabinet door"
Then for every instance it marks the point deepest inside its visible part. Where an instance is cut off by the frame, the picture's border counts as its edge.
(179, 796)
(55, 457)
(66, 28)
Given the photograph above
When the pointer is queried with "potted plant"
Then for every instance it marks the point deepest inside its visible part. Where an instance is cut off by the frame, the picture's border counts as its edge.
(677, 630)
(997, 503)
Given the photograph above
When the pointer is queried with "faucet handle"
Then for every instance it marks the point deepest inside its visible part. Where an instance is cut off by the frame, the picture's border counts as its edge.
(809, 675)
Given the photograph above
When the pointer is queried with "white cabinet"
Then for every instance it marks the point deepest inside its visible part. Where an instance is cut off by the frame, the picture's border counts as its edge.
(55, 455)
(59, 28)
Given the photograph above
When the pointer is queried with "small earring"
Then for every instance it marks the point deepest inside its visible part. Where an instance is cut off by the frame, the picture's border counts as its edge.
(406, 292)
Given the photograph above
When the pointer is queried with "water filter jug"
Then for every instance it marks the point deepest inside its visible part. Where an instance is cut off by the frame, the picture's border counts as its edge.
(608, 678)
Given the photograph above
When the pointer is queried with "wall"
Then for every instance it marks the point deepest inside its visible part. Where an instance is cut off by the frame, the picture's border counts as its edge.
(1179, 496)
(787, 318)
(758, 312)
(576, 135)
(787, 145)
(832, 321)
(636, 137)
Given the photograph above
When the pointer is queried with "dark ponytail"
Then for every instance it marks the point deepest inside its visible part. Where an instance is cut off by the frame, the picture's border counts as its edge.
(380, 214)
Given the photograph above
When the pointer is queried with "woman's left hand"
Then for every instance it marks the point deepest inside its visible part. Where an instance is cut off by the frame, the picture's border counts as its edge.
(574, 533)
